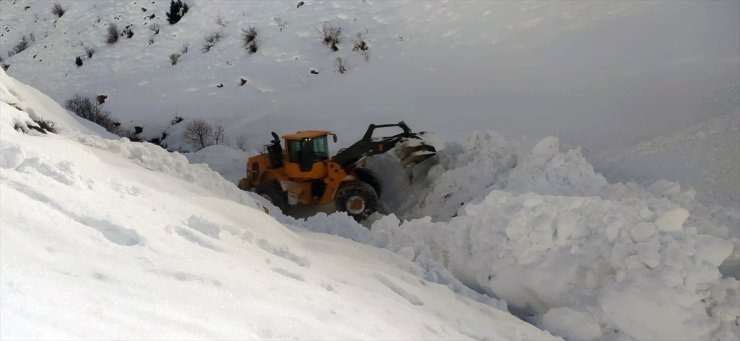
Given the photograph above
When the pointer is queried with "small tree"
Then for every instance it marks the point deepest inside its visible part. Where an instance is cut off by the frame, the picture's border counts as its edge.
(198, 133)
(177, 11)
(78, 61)
(57, 10)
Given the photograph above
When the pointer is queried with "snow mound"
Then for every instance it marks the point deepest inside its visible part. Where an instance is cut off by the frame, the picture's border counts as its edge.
(545, 231)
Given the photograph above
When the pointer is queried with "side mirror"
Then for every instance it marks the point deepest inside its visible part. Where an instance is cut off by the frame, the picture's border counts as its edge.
(334, 137)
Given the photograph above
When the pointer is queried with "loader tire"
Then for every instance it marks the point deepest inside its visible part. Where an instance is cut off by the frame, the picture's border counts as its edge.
(272, 191)
(358, 199)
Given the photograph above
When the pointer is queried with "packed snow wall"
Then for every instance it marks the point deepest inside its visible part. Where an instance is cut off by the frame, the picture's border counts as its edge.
(535, 225)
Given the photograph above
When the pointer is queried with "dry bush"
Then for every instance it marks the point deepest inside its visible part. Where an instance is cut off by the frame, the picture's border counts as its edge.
(174, 58)
(249, 39)
(154, 28)
(210, 41)
(111, 36)
(241, 142)
(85, 107)
(20, 47)
(58, 10)
(331, 36)
(341, 65)
(45, 126)
(361, 46)
(89, 51)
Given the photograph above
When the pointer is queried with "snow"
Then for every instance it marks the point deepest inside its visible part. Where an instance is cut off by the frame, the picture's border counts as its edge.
(542, 230)
(589, 72)
(105, 238)
(108, 238)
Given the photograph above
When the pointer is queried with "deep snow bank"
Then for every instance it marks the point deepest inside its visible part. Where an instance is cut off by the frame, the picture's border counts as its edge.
(552, 237)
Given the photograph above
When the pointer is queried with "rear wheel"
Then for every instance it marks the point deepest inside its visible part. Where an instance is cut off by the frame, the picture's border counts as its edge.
(272, 191)
(357, 198)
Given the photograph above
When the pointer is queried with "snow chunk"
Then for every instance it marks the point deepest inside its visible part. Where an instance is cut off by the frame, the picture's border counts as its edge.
(571, 324)
(11, 156)
(712, 249)
(672, 220)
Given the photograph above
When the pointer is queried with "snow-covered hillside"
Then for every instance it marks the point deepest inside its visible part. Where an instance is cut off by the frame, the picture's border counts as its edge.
(112, 239)
(705, 156)
(597, 74)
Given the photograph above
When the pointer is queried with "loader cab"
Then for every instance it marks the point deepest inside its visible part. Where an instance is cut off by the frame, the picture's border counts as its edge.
(306, 151)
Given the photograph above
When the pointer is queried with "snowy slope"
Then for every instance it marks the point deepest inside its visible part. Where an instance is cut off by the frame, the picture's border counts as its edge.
(705, 156)
(597, 73)
(112, 239)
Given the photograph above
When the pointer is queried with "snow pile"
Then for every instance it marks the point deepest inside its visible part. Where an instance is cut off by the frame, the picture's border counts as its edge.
(585, 257)
(113, 239)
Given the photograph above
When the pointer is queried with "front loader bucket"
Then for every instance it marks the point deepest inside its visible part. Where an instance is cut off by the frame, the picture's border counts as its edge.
(414, 151)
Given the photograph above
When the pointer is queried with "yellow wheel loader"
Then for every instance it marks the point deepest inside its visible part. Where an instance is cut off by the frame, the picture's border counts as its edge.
(303, 173)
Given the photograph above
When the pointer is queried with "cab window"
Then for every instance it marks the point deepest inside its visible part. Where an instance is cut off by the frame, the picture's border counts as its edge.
(321, 148)
(319, 144)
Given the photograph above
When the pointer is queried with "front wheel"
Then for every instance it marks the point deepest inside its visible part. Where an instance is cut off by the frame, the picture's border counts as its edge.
(272, 191)
(357, 198)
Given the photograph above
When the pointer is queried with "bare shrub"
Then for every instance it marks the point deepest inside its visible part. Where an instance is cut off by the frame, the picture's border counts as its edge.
(220, 21)
(177, 119)
(174, 58)
(249, 39)
(218, 135)
(331, 36)
(45, 126)
(210, 41)
(341, 65)
(111, 37)
(58, 10)
(361, 46)
(154, 28)
(89, 52)
(20, 47)
(241, 142)
(85, 107)
(185, 48)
